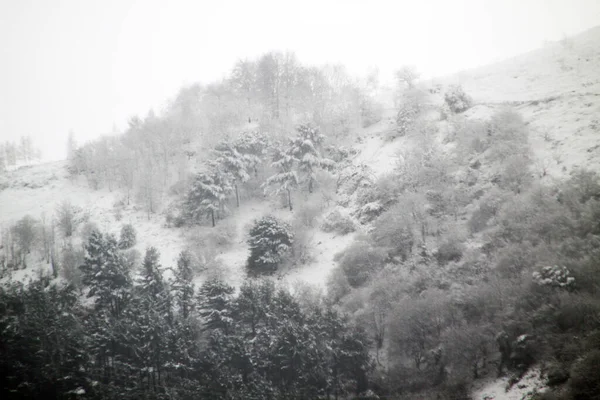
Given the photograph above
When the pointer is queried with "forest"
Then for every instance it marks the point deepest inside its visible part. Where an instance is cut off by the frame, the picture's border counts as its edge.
(465, 260)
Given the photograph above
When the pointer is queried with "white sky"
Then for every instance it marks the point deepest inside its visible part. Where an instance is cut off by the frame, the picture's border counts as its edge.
(88, 64)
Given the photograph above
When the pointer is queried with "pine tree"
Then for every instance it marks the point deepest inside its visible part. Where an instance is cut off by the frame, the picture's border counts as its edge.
(306, 148)
(215, 305)
(207, 195)
(105, 273)
(270, 240)
(183, 285)
(128, 237)
(253, 146)
(233, 164)
(286, 178)
(151, 323)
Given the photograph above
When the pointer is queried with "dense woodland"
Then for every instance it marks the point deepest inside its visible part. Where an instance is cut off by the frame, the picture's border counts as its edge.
(467, 262)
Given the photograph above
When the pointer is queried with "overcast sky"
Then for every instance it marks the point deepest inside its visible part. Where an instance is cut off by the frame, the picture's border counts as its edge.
(86, 65)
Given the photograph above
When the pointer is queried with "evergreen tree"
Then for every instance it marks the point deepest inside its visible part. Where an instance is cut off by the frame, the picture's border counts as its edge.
(286, 178)
(151, 323)
(306, 148)
(215, 305)
(128, 237)
(206, 196)
(233, 164)
(41, 342)
(105, 273)
(183, 286)
(270, 240)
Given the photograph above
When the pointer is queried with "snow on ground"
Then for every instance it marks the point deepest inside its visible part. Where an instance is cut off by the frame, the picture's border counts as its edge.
(496, 389)
(325, 246)
(38, 190)
(557, 90)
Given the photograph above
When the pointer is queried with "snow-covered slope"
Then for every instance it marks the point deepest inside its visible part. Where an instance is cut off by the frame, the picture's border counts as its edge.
(557, 90)
(38, 190)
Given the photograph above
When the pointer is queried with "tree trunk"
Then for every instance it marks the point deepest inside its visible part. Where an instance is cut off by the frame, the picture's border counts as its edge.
(290, 199)
(212, 216)
(237, 196)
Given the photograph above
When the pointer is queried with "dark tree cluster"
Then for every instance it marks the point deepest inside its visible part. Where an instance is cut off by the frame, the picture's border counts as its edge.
(142, 336)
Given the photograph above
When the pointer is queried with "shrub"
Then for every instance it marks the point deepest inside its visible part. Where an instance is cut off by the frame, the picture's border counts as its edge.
(369, 212)
(554, 276)
(128, 237)
(337, 285)
(405, 120)
(457, 100)
(270, 240)
(556, 375)
(450, 250)
(393, 232)
(507, 133)
(359, 261)
(585, 380)
(338, 223)
(488, 208)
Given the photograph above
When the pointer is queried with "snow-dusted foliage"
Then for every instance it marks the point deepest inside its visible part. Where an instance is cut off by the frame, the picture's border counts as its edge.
(338, 222)
(215, 305)
(457, 100)
(306, 148)
(183, 286)
(207, 195)
(285, 179)
(554, 276)
(298, 163)
(270, 240)
(128, 237)
(105, 273)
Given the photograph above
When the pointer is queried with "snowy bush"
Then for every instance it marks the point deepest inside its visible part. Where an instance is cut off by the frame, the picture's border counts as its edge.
(405, 120)
(128, 237)
(393, 231)
(450, 250)
(270, 240)
(457, 100)
(369, 212)
(554, 276)
(338, 223)
(360, 261)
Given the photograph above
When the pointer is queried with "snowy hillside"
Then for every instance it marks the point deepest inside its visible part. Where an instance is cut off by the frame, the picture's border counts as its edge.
(557, 90)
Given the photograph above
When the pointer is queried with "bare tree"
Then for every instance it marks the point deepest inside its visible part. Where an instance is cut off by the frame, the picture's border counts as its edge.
(65, 216)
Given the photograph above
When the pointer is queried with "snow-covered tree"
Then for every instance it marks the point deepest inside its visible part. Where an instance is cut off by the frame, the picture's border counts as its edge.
(128, 237)
(183, 286)
(233, 164)
(270, 240)
(65, 215)
(105, 273)
(150, 322)
(286, 178)
(215, 305)
(207, 195)
(306, 148)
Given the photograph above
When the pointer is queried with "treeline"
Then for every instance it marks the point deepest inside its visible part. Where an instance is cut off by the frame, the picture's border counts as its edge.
(272, 95)
(21, 152)
(141, 336)
(477, 264)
